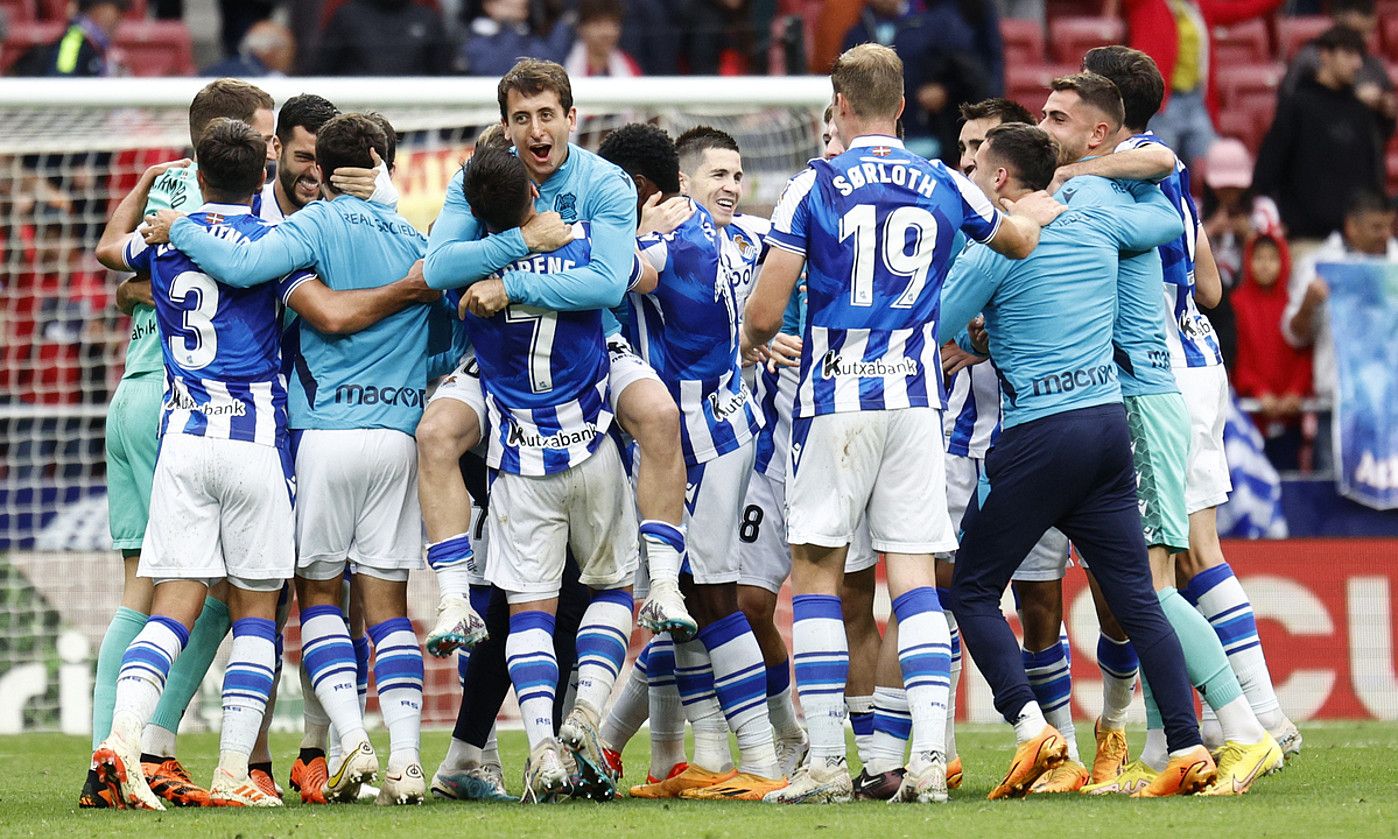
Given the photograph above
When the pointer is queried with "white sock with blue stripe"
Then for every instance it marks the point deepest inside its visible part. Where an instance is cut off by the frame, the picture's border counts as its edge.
(1052, 685)
(1220, 598)
(450, 559)
(603, 636)
(944, 595)
(533, 672)
(821, 653)
(664, 545)
(398, 673)
(1119, 665)
(740, 679)
(924, 655)
(247, 687)
(628, 713)
(328, 654)
(667, 715)
(779, 705)
(694, 677)
(144, 668)
(892, 727)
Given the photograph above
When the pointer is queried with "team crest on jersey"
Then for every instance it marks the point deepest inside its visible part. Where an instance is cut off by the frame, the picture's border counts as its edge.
(566, 205)
(745, 245)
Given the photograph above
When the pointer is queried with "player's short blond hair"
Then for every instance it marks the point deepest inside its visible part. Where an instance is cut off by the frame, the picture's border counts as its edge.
(870, 77)
(230, 98)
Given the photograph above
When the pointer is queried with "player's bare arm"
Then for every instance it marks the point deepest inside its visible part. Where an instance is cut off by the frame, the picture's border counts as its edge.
(127, 216)
(346, 312)
(1208, 283)
(133, 292)
(763, 317)
(1147, 163)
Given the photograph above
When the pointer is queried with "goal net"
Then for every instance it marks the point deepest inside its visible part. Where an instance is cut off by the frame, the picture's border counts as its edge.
(70, 150)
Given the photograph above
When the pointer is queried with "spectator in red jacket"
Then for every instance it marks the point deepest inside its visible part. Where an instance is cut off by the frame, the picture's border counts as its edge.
(1176, 34)
(1268, 368)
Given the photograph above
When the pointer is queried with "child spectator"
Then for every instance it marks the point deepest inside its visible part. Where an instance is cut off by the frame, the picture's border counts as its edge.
(1268, 368)
(595, 52)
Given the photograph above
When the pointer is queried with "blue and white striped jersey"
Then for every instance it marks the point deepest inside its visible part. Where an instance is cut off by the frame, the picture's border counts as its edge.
(544, 374)
(876, 226)
(687, 329)
(744, 248)
(1192, 340)
(222, 346)
(972, 418)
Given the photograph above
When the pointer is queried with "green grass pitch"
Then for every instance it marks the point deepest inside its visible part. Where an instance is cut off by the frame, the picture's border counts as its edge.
(1339, 786)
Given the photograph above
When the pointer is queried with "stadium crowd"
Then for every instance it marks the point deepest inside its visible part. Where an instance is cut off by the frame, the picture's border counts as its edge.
(1252, 100)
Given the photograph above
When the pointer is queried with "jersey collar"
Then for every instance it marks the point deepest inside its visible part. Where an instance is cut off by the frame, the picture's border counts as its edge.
(864, 140)
(225, 209)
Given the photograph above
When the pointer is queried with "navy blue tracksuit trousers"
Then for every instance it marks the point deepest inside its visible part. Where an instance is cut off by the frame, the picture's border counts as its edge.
(1072, 471)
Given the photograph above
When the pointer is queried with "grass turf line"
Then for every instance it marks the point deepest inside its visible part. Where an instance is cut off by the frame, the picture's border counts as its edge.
(1340, 785)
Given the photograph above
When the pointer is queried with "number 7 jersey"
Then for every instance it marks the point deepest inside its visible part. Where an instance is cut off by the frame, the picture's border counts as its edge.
(876, 226)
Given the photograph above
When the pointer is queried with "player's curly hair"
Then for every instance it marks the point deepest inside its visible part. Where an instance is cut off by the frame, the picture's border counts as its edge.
(691, 145)
(644, 149)
(496, 187)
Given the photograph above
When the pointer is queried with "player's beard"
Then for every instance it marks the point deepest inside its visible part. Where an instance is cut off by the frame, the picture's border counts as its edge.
(289, 182)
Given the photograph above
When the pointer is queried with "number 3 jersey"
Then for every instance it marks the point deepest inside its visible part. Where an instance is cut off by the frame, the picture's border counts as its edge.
(221, 343)
(876, 226)
(687, 329)
(544, 374)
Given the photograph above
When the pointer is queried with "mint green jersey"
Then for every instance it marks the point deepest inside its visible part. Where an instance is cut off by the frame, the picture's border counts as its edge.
(175, 189)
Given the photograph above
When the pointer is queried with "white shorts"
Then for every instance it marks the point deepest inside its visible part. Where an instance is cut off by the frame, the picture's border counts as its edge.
(475, 568)
(713, 507)
(764, 556)
(1205, 391)
(359, 503)
(888, 465)
(533, 521)
(1048, 560)
(464, 385)
(220, 508)
(627, 368)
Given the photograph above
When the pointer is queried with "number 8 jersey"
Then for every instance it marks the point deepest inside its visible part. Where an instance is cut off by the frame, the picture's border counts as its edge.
(876, 226)
(221, 343)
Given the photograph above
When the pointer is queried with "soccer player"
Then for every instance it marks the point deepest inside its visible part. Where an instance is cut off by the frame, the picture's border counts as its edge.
(687, 329)
(536, 109)
(360, 394)
(1160, 432)
(558, 484)
(221, 499)
(131, 454)
(865, 438)
(1064, 455)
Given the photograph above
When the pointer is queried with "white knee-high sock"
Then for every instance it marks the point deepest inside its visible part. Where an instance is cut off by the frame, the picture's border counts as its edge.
(398, 675)
(955, 632)
(328, 655)
(629, 712)
(892, 728)
(1119, 665)
(740, 680)
(601, 652)
(1220, 598)
(694, 677)
(821, 652)
(533, 671)
(247, 687)
(450, 559)
(667, 714)
(144, 668)
(924, 655)
(1049, 679)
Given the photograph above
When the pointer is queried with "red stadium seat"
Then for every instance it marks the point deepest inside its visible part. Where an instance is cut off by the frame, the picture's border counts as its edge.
(156, 47)
(1024, 41)
(18, 11)
(1070, 37)
(1242, 43)
(58, 9)
(1028, 84)
(1295, 32)
(1240, 124)
(1248, 81)
(1388, 36)
(25, 36)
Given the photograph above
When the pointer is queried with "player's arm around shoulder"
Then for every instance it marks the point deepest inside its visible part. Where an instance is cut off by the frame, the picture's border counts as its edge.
(345, 312)
(1142, 161)
(459, 252)
(112, 248)
(1149, 223)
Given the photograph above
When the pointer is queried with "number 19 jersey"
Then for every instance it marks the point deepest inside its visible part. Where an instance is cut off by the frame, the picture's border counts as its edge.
(876, 227)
